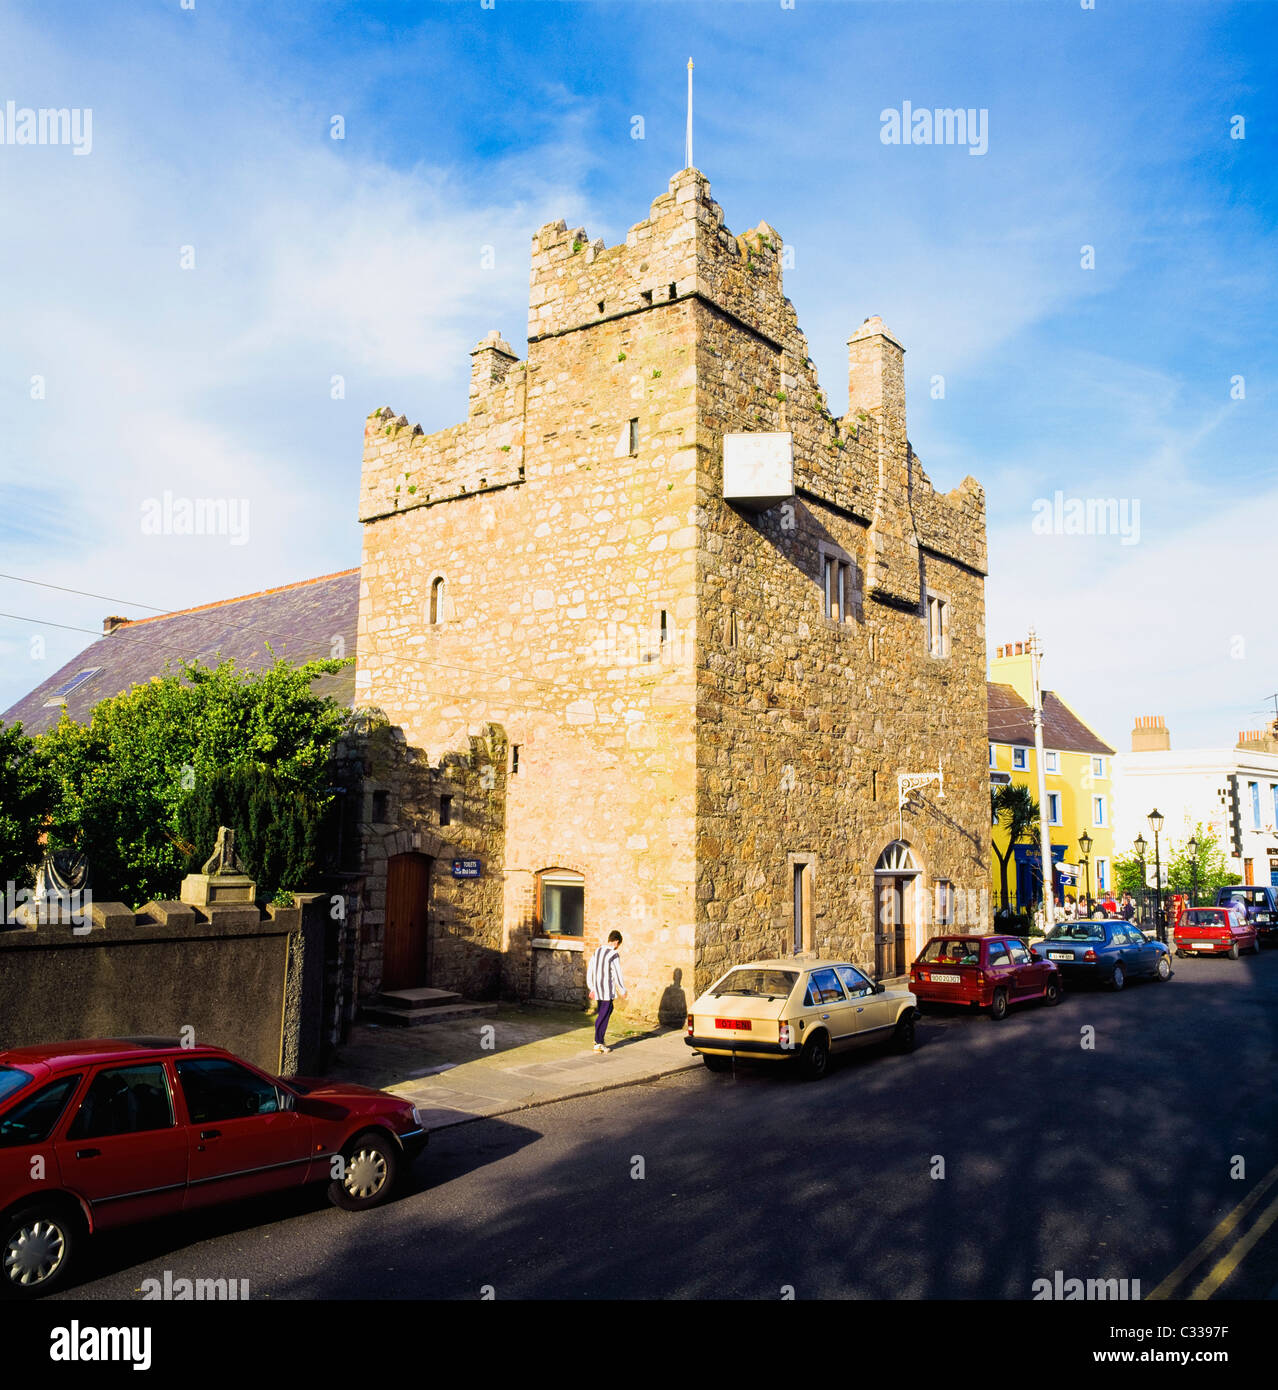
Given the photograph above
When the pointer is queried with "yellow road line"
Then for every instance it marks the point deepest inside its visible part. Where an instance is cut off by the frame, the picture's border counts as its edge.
(1235, 1256)
(1214, 1238)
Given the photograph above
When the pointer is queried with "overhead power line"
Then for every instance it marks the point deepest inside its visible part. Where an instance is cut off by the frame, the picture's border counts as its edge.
(44, 622)
(62, 589)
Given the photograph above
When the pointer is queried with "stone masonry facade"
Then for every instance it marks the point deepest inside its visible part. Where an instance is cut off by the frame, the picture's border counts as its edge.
(681, 724)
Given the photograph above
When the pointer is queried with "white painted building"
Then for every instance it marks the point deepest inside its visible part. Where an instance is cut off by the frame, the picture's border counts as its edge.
(1232, 791)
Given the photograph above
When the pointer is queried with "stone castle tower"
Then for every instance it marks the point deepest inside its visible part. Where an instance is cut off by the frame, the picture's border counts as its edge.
(708, 678)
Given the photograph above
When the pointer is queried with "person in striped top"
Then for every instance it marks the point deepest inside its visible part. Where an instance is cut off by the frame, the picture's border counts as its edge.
(603, 980)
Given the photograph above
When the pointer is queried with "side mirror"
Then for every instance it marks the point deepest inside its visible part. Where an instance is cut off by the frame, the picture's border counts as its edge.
(878, 989)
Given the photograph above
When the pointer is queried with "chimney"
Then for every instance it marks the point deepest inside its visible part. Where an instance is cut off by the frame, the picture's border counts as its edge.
(490, 360)
(109, 625)
(876, 381)
(1149, 734)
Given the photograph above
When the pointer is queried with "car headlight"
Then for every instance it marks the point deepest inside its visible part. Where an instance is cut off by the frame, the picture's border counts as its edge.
(417, 1117)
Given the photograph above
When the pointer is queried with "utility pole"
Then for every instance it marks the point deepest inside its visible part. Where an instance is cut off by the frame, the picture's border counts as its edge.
(1044, 837)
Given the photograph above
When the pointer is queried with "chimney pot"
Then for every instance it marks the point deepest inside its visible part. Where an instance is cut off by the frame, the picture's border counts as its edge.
(110, 624)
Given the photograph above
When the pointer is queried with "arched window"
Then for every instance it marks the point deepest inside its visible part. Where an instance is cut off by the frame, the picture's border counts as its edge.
(437, 599)
(896, 859)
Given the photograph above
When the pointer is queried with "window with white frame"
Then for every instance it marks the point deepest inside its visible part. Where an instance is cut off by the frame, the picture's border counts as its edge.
(994, 763)
(1052, 761)
(1020, 759)
(1098, 811)
(938, 626)
(1102, 875)
(944, 902)
(1098, 767)
(1254, 788)
(1053, 808)
(838, 589)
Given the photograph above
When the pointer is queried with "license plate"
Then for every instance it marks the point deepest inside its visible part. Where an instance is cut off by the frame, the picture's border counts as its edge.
(1060, 955)
(1203, 945)
(944, 979)
(739, 1023)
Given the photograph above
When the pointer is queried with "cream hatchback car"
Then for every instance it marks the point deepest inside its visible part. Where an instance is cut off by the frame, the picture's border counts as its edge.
(797, 1011)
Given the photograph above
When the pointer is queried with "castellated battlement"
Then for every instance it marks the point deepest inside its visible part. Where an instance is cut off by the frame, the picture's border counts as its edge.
(752, 372)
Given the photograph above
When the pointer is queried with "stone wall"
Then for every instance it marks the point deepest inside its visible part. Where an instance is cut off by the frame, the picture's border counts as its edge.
(239, 979)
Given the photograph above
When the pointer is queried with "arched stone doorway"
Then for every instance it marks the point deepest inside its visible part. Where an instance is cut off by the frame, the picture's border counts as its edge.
(894, 881)
(406, 935)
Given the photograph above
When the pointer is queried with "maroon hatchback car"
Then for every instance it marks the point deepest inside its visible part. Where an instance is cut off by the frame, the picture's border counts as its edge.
(106, 1132)
(983, 972)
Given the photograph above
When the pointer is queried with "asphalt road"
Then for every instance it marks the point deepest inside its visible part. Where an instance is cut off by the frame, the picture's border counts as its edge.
(1109, 1162)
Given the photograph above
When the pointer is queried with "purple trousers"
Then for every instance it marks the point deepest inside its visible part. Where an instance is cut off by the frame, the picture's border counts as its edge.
(601, 1019)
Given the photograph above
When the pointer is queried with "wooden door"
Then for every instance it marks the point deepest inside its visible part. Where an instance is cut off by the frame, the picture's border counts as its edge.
(405, 939)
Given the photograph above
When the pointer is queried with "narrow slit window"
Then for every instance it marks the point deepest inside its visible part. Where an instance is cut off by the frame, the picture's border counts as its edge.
(514, 758)
(634, 436)
(445, 810)
(437, 600)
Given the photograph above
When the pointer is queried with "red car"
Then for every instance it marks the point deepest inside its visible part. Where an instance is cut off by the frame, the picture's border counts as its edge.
(983, 972)
(103, 1133)
(1214, 931)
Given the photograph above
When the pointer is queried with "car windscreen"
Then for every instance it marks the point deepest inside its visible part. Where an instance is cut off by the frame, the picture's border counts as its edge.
(952, 952)
(1204, 917)
(1076, 931)
(12, 1080)
(754, 983)
(1254, 896)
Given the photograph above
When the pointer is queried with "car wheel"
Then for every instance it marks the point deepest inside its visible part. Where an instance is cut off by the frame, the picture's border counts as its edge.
(903, 1036)
(1164, 969)
(1052, 994)
(1118, 979)
(1255, 946)
(716, 1063)
(1233, 951)
(1180, 955)
(814, 1060)
(998, 1005)
(37, 1245)
(370, 1163)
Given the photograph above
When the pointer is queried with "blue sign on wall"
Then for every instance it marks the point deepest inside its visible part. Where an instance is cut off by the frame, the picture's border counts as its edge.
(465, 868)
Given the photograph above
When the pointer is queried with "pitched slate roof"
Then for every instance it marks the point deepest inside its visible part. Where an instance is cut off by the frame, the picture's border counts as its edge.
(300, 621)
(1011, 720)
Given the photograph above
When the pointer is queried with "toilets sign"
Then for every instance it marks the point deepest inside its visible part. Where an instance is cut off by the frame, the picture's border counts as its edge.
(465, 868)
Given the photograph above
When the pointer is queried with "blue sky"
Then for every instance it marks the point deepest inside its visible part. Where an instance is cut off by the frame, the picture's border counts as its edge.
(467, 128)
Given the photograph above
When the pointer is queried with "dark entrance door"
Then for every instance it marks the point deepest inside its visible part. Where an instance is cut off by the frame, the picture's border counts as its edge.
(889, 926)
(404, 942)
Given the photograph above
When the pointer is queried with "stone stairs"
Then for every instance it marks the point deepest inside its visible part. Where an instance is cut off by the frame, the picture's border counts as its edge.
(410, 1008)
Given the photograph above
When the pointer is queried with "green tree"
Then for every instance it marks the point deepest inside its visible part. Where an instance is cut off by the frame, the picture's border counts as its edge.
(276, 823)
(1213, 867)
(1014, 809)
(26, 799)
(123, 777)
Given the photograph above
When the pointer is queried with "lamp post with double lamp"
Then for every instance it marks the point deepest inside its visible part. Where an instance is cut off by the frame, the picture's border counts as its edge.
(1192, 847)
(1085, 849)
(1155, 819)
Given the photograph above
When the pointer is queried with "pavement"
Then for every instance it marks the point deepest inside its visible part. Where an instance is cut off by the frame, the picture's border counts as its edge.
(474, 1068)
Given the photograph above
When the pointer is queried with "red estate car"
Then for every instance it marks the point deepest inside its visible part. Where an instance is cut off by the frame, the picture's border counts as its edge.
(106, 1132)
(1214, 931)
(983, 972)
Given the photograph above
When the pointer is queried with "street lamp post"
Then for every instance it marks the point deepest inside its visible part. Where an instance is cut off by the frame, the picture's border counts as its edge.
(1085, 849)
(1140, 847)
(1192, 847)
(1156, 824)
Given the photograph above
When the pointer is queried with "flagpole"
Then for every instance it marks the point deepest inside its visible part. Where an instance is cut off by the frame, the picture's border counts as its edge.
(689, 163)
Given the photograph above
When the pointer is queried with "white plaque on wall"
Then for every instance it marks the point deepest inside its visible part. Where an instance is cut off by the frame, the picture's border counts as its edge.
(758, 469)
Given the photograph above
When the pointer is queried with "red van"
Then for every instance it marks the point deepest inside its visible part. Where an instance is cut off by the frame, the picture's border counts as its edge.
(1215, 931)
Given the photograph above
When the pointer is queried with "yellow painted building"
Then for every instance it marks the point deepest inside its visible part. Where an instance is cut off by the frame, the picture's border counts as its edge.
(1079, 781)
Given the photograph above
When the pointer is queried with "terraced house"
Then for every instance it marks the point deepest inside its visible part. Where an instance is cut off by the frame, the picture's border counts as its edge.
(708, 662)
